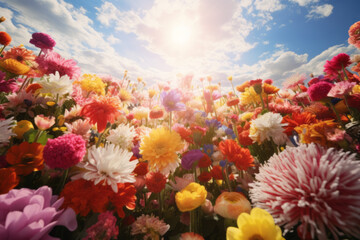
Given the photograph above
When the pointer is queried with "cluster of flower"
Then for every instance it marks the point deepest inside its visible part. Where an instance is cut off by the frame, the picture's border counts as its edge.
(109, 159)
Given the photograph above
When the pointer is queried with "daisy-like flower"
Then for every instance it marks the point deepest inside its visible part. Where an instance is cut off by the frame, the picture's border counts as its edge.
(354, 34)
(266, 127)
(92, 83)
(20, 54)
(108, 165)
(57, 85)
(315, 187)
(294, 80)
(5, 129)
(122, 136)
(172, 101)
(160, 149)
(150, 226)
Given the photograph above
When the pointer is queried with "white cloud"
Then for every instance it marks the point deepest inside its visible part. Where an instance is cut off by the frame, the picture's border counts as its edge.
(113, 40)
(266, 42)
(321, 11)
(268, 5)
(303, 3)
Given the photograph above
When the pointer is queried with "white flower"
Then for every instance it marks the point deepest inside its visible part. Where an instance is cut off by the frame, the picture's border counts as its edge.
(122, 136)
(6, 130)
(110, 165)
(57, 85)
(268, 126)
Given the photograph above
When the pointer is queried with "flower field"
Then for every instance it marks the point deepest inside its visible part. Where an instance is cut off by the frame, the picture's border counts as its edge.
(86, 156)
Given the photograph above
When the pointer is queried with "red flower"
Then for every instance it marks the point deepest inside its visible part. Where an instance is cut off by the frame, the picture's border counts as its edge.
(232, 102)
(204, 162)
(5, 38)
(156, 113)
(101, 111)
(141, 169)
(298, 119)
(184, 133)
(241, 157)
(9, 180)
(354, 101)
(216, 173)
(155, 181)
(204, 177)
(244, 138)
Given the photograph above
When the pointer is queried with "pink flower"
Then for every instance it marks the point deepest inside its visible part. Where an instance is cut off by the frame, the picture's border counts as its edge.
(319, 90)
(354, 34)
(43, 41)
(105, 228)
(43, 122)
(294, 80)
(181, 183)
(284, 108)
(80, 127)
(312, 186)
(336, 64)
(231, 205)
(191, 236)
(64, 151)
(340, 89)
(149, 225)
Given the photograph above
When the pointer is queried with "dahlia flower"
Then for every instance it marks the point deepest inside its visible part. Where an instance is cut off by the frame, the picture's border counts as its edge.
(259, 224)
(5, 129)
(336, 64)
(241, 157)
(150, 226)
(42, 41)
(122, 136)
(108, 165)
(155, 181)
(340, 89)
(32, 214)
(354, 34)
(56, 85)
(92, 83)
(231, 205)
(105, 228)
(172, 101)
(266, 127)
(64, 151)
(20, 53)
(160, 149)
(315, 187)
(191, 197)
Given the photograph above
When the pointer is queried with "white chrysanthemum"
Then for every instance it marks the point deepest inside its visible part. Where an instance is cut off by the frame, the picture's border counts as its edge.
(57, 85)
(122, 136)
(110, 165)
(266, 127)
(6, 130)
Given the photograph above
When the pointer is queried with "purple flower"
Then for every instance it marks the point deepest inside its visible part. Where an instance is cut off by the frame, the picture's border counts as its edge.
(190, 157)
(32, 214)
(172, 101)
(43, 41)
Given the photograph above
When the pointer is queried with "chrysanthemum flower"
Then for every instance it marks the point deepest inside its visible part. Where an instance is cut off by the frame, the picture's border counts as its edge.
(108, 165)
(354, 34)
(298, 119)
(160, 149)
(266, 127)
(101, 111)
(172, 101)
(26, 157)
(122, 136)
(14, 66)
(316, 132)
(155, 181)
(315, 187)
(191, 197)
(231, 205)
(20, 54)
(270, 89)
(79, 127)
(124, 95)
(5, 129)
(150, 226)
(92, 83)
(64, 151)
(43, 41)
(259, 224)
(336, 64)
(9, 180)
(241, 157)
(57, 85)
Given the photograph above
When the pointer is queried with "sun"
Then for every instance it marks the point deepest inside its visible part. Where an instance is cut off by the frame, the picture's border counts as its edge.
(181, 34)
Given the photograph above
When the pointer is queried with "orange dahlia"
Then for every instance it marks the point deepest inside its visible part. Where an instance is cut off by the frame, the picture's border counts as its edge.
(26, 157)
(14, 66)
(316, 132)
(297, 119)
(20, 54)
(241, 88)
(9, 180)
(270, 89)
(101, 111)
(241, 157)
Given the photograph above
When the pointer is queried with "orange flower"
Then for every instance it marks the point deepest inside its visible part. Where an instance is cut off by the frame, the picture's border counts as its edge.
(101, 111)
(297, 119)
(26, 157)
(156, 113)
(9, 180)
(231, 205)
(241, 157)
(270, 89)
(33, 87)
(20, 54)
(13, 66)
(232, 102)
(316, 132)
(5, 38)
(241, 88)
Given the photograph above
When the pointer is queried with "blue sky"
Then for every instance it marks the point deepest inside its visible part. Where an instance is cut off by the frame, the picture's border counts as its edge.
(160, 39)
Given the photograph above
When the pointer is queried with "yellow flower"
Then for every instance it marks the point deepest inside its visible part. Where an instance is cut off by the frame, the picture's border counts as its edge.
(13, 66)
(22, 127)
(229, 78)
(61, 120)
(259, 224)
(124, 95)
(159, 149)
(246, 116)
(250, 96)
(50, 103)
(152, 93)
(92, 83)
(356, 89)
(191, 197)
(316, 132)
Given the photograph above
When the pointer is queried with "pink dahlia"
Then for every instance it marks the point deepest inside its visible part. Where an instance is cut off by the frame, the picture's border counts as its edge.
(315, 187)
(319, 90)
(64, 151)
(105, 228)
(341, 88)
(336, 64)
(52, 62)
(43, 41)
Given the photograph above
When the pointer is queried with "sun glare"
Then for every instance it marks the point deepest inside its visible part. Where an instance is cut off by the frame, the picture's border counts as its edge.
(181, 34)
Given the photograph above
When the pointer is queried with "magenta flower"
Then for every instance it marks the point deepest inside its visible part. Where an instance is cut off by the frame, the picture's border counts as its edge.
(336, 64)
(190, 158)
(7, 86)
(319, 90)
(43, 41)
(32, 214)
(64, 151)
(315, 187)
(52, 62)
(341, 89)
(172, 101)
(105, 228)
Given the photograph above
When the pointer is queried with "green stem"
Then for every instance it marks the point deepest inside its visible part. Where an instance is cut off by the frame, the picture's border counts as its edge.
(37, 136)
(262, 102)
(63, 181)
(102, 135)
(193, 221)
(2, 49)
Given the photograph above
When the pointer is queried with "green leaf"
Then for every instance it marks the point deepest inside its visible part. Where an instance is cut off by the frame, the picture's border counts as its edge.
(30, 136)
